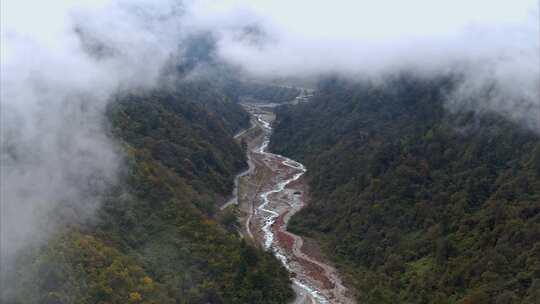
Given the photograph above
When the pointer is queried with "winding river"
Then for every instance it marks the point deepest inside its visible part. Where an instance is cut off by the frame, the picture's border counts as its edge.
(274, 192)
(271, 215)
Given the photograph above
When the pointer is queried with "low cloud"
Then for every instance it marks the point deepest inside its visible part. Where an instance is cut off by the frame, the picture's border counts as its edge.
(492, 45)
(62, 62)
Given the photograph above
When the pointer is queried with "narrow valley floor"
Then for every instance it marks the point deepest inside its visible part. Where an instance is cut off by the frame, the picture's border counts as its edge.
(269, 193)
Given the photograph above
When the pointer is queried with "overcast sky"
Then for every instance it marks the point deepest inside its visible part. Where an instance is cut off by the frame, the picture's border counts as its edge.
(351, 34)
(346, 33)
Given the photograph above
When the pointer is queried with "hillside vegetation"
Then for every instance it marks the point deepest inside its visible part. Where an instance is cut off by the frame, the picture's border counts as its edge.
(156, 237)
(416, 203)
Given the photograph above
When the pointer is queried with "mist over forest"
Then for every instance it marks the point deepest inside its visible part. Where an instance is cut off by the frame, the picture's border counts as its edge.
(117, 143)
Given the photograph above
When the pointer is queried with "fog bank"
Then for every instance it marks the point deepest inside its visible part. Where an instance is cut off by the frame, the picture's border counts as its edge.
(494, 46)
(62, 63)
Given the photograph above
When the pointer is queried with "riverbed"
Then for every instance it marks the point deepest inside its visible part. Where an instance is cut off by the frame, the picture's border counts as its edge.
(268, 195)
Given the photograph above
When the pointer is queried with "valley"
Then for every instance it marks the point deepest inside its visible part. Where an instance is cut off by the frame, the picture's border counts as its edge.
(269, 193)
(259, 152)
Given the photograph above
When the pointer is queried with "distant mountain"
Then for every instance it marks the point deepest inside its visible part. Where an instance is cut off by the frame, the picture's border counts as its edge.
(414, 203)
(200, 63)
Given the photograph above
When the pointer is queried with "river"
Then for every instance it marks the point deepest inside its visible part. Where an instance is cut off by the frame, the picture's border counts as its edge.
(269, 193)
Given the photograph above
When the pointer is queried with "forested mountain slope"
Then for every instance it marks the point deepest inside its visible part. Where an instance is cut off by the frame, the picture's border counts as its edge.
(417, 204)
(156, 238)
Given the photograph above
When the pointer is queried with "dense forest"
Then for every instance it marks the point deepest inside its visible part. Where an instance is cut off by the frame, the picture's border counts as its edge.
(157, 238)
(416, 202)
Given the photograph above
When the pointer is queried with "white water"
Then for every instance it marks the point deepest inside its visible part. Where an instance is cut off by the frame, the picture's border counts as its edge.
(271, 215)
